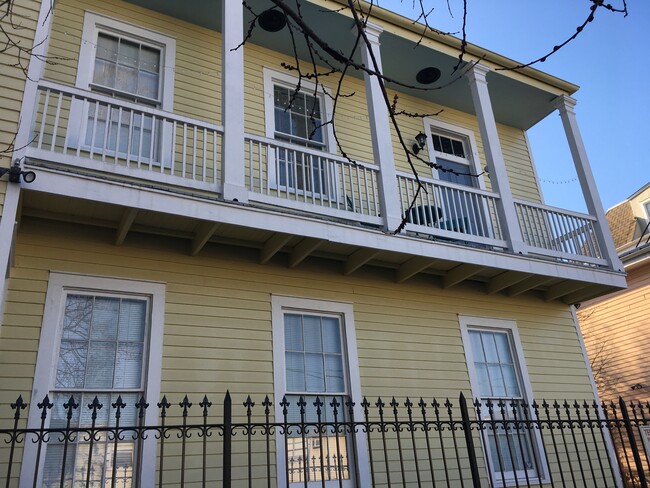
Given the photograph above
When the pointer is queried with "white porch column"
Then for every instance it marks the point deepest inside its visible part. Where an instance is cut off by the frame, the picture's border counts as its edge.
(494, 158)
(232, 100)
(565, 105)
(27, 111)
(382, 146)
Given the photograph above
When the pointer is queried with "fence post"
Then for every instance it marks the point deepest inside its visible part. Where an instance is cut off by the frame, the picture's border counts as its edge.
(227, 440)
(471, 451)
(635, 450)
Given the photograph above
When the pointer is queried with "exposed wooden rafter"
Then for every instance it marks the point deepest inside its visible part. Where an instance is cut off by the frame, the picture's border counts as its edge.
(358, 258)
(273, 246)
(412, 267)
(125, 224)
(303, 250)
(528, 284)
(203, 233)
(459, 274)
(564, 288)
(505, 280)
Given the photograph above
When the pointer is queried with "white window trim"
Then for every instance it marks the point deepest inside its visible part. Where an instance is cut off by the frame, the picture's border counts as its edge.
(434, 126)
(272, 78)
(279, 305)
(48, 352)
(510, 326)
(95, 23)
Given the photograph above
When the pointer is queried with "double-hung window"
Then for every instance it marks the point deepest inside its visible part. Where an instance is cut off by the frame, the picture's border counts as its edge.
(132, 65)
(496, 370)
(316, 372)
(296, 118)
(97, 344)
(453, 150)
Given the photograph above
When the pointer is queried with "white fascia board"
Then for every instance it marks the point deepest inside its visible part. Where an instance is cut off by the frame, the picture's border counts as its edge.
(187, 205)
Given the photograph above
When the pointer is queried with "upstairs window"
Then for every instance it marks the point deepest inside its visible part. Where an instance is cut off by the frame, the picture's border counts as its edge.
(130, 64)
(295, 119)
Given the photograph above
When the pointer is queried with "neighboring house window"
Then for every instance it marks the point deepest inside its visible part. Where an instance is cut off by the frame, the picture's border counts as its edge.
(296, 118)
(315, 359)
(497, 375)
(100, 344)
(646, 207)
(131, 64)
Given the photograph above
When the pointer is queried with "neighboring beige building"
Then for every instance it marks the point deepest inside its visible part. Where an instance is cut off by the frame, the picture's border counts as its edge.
(189, 233)
(616, 327)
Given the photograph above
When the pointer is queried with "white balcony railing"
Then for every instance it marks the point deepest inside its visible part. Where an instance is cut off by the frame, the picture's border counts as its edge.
(450, 211)
(559, 233)
(102, 133)
(306, 179)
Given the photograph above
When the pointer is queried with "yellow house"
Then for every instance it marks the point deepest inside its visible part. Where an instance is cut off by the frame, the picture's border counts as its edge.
(196, 227)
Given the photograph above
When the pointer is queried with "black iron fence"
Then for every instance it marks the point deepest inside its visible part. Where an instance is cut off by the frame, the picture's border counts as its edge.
(311, 441)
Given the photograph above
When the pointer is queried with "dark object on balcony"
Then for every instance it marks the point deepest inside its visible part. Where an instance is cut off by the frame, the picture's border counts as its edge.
(428, 75)
(420, 141)
(272, 20)
(424, 215)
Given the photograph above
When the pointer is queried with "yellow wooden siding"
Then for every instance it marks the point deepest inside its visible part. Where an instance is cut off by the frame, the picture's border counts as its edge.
(197, 70)
(218, 318)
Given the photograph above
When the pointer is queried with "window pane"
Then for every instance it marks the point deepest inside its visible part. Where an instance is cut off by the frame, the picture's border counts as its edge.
(71, 368)
(299, 125)
(476, 345)
(101, 365)
(129, 54)
(128, 368)
(446, 145)
(334, 373)
(132, 320)
(126, 79)
(496, 380)
(331, 335)
(105, 318)
(295, 365)
(280, 97)
(148, 85)
(510, 380)
(293, 332)
(485, 390)
(458, 149)
(503, 347)
(150, 59)
(76, 320)
(313, 342)
(106, 47)
(490, 348)
(314, 370)
(104, 73)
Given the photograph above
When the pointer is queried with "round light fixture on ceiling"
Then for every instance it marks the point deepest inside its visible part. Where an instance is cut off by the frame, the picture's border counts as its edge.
(272, 20)
(428, 75)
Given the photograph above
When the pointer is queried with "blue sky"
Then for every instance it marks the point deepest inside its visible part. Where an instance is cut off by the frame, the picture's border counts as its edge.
(610, 61)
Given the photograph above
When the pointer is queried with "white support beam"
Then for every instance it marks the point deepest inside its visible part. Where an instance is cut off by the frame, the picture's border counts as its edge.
(566, 106)
(273, 246)
(528, 284)
(232, 96)
(125, 224)
(204, 231)
(358, 258)
(412, 267)
(303, 250)
(10, 206)
(477, 75)
(505, 280)
(380, 133)
(459, 274)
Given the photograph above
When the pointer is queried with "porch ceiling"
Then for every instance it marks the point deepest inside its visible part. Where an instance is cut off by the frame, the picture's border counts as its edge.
(294, 250)
(515, 103)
